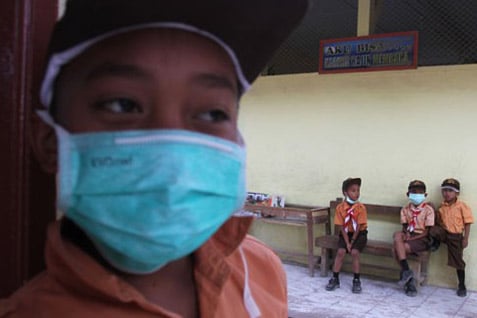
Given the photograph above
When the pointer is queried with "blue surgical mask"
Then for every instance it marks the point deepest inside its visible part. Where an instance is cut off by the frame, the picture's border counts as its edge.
(350, 201)
(146, 198)
(416, 198)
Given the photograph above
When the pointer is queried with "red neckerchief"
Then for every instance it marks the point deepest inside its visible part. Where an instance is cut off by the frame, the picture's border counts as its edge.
(415, 212)
(350, 218)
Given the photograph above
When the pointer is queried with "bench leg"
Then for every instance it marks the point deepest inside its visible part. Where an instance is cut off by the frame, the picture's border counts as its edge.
(424, 259)
(419, 267)
(416, 268)
(310, 237)
(324, 262)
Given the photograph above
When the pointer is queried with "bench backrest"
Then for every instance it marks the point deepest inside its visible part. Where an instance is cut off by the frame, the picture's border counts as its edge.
(372, 209)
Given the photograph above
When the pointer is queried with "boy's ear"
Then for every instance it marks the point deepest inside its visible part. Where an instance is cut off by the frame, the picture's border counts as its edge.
(407, 194)
(44, 144)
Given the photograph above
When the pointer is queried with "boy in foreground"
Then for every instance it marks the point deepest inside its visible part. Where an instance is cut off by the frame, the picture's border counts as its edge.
(141, 101)
(416, 219)
(351, 217)
(454, 218)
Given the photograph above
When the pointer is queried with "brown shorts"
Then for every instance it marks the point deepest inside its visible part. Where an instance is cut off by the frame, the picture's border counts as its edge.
(359, 244)
(455, 249)
(419, 245)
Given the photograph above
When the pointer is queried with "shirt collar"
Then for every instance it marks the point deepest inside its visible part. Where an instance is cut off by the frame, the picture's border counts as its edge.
(78, 271)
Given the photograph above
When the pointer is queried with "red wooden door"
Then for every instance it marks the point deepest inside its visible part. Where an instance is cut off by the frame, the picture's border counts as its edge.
(26, 193)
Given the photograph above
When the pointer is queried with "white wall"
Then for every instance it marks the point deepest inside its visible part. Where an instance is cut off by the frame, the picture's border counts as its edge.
(306, 133)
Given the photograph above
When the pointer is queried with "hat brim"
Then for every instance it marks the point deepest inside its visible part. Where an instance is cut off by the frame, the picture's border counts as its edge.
(253, 29)
(450, 188)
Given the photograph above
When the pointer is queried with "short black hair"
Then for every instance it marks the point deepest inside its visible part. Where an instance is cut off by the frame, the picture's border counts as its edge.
(349, 182)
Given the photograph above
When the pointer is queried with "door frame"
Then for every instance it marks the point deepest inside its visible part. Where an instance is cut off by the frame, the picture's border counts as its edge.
(27, 193)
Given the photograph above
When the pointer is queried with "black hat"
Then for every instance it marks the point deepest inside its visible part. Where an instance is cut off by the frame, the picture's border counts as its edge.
(416, 184)
(249, 30)
(451, 184)
(350, 181)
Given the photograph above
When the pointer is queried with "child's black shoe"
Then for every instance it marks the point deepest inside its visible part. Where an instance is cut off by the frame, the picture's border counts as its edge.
(462, 291)
(356, 286)
(406, 276)
(333, 284)
(410, 288)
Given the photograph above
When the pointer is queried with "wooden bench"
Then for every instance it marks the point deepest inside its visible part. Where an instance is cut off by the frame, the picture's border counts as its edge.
(296, 215)
(329, 244)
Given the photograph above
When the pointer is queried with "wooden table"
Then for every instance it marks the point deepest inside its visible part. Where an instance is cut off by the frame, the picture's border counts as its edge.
(294, 214)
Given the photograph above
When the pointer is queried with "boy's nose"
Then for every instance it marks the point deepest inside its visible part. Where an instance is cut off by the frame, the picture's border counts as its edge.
(166, 116)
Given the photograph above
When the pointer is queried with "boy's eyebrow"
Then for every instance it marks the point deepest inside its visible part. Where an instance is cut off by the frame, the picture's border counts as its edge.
(114, 69)
(211, 80)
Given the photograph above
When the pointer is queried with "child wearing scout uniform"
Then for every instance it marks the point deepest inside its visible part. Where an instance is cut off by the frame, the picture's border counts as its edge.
(141, 103)
(351, 216)
(453, 227)
(416, 218)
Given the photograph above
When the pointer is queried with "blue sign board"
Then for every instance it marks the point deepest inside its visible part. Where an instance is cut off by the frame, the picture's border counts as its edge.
(369, 53)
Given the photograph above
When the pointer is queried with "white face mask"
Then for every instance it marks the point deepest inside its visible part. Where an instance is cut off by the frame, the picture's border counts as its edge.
(416, 198)
(350, 201)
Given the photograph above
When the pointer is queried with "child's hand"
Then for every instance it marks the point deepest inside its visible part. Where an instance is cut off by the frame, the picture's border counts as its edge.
(348, 247)
(465, 242)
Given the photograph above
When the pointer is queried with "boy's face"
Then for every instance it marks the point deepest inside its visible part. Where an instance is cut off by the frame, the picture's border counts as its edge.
(449, 195)
(150, 79)
(353, 192)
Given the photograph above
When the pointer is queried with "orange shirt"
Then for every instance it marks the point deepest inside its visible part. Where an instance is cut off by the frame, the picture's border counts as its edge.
(453, 217)
(360, 214)
(424, 219)
(75, 285)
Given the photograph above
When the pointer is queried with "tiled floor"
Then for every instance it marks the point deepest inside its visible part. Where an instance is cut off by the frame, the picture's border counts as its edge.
(308, 298)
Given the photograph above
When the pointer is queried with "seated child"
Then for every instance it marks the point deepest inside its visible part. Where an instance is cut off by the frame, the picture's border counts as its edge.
(416, 218)
(351, 215)
(453, 227)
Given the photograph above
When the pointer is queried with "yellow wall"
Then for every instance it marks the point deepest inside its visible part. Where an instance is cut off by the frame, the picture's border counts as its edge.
(306, 133)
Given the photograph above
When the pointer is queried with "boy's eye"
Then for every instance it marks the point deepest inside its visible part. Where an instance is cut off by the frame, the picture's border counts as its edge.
(215, 116)
(119, 105)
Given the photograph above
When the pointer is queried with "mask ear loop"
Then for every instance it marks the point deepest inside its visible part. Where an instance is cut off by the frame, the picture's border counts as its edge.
(250, 304)
(46, 117)
(65, 185)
